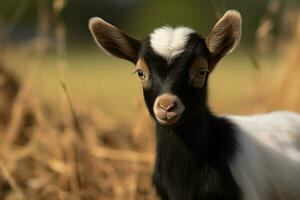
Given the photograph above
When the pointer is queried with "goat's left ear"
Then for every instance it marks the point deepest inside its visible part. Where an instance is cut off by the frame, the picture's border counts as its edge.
(225, 35)
(113, 40)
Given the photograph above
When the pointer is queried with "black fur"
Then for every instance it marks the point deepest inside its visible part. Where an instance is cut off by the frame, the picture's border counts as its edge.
(193, 156)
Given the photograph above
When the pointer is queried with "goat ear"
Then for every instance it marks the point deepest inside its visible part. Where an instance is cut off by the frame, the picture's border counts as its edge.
(225, 35)
(114, 41)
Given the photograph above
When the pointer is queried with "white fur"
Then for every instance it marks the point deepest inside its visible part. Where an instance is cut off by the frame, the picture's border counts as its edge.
(268, 159)
(169, 42)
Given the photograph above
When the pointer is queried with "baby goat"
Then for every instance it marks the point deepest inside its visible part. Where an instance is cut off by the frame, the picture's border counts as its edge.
(200, 155)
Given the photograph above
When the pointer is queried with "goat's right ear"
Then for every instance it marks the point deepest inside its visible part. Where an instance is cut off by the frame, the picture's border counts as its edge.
(114, 41)
(225, 35)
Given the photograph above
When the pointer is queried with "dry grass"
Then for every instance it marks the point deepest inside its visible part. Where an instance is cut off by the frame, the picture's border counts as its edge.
(44, 157)
(97, 142)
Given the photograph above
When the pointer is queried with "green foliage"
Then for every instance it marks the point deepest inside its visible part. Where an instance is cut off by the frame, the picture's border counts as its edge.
(138, 17)
(155, 13)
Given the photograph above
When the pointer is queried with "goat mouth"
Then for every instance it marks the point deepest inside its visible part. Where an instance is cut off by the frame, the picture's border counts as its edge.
(168, 120)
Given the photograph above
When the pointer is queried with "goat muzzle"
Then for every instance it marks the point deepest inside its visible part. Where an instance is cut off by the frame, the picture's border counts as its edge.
(168, 109)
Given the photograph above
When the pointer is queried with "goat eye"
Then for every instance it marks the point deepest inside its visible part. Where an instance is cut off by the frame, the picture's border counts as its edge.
(199, 77)
(141, 74)
(202, 72)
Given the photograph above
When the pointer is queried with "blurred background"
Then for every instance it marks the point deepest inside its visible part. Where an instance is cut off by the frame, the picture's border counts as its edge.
(72, 119)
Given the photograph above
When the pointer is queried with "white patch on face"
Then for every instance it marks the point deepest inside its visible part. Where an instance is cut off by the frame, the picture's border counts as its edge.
(169, 42)
(268, 158)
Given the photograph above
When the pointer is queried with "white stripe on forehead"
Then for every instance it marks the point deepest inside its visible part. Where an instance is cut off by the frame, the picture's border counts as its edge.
(169, 42)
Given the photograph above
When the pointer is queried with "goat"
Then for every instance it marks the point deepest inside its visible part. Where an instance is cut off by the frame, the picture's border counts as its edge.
(200, 155)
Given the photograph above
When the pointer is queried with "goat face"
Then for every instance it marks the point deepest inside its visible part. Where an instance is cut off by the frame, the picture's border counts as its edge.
(172, 63)
(173, 73)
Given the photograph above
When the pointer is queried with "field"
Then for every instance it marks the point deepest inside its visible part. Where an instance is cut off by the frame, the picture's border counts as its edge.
(74, 126)
(45, 156)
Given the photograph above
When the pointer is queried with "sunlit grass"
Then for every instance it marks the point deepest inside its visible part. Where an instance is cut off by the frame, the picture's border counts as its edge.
(93, 79)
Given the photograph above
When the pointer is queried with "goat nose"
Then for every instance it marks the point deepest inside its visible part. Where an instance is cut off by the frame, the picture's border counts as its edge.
(168, 109)
(166, 104)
